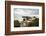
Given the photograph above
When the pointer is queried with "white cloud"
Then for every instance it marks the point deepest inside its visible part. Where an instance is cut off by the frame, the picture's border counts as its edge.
(23, 12)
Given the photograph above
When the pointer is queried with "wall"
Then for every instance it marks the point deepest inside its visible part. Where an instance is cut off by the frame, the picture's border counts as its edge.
(2, 18)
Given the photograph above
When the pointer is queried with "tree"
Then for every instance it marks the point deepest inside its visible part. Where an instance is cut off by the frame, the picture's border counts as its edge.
(16, 23)
(35, 22)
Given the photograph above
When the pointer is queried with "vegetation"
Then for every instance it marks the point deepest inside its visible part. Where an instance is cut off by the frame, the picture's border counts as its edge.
(35, 22)
(16, 23)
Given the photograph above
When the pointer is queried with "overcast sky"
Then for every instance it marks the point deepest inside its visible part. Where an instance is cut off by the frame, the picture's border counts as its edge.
(19, 12)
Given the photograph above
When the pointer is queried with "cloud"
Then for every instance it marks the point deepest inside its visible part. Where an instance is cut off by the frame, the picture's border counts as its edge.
(24, 12)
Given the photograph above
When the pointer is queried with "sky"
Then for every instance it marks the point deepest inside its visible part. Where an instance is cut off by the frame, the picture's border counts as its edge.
(19, 12)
